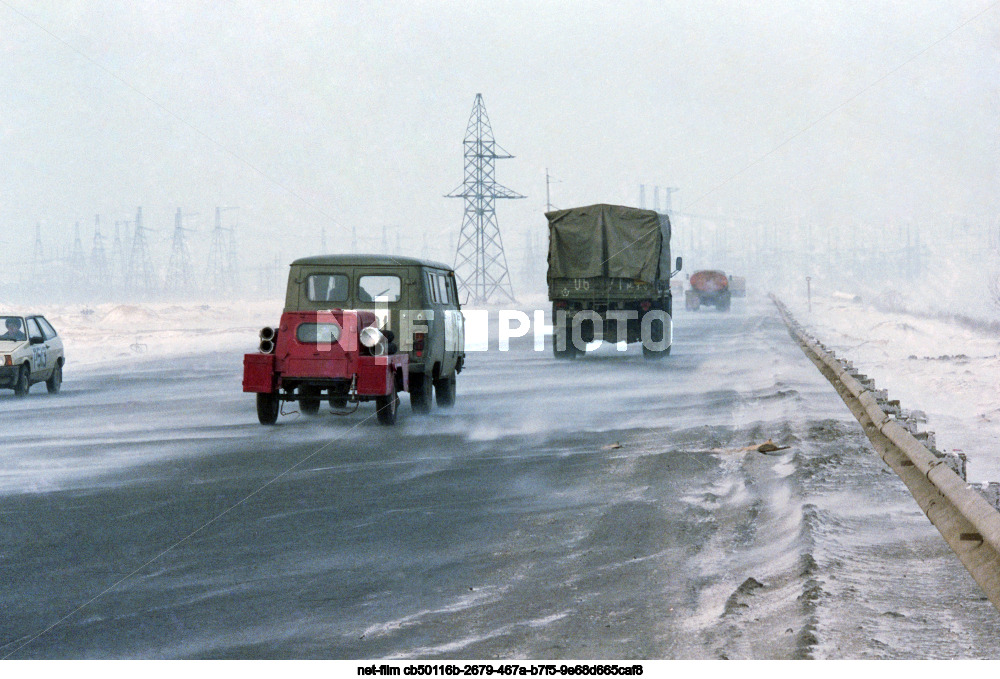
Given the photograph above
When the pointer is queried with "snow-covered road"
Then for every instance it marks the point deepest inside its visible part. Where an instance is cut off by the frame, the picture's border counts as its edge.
(605, 507)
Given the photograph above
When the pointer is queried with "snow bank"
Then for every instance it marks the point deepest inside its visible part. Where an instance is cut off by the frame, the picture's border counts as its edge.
(110, 334)
(939, 364)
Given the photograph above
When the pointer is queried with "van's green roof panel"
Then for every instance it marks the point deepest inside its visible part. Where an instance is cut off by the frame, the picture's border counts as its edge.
(367, 260)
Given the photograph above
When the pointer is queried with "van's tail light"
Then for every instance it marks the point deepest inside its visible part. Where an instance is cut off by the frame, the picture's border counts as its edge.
(418, 343)
(7, 361)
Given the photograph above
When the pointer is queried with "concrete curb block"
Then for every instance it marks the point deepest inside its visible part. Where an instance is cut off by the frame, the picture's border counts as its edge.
(968, 522)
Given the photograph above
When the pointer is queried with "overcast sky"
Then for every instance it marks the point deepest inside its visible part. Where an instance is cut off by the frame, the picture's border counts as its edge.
(336, 113)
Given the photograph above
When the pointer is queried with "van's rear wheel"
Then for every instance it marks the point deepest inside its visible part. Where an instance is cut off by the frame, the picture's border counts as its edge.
(420, 393)
(309, 401)
(444, 390)
(387, 407)
(268, 406)
(23, 383)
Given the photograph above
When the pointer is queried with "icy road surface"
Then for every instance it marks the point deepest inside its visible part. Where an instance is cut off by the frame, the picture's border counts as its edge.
(594, 509)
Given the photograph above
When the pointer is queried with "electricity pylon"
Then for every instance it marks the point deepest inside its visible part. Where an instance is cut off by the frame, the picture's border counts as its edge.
(480, 262)
(222, 273)
(179, 276)
(38, 258)
(139, 277)
(78, 261)
(99, 274)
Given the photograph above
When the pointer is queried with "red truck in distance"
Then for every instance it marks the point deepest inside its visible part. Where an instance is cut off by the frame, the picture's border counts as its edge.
(707, 288)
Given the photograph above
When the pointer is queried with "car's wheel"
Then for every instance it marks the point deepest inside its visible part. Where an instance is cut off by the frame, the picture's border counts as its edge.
(23, 383)
(268, 406)
(387, 407)
(444, 391)
(420, 394)
(55, 381)
(309, 401)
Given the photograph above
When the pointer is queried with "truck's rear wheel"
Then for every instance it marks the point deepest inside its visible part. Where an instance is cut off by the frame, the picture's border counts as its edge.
(387, 407)
(23, 383)
(420, 393)
(657, 331)
(563, 337)
(268, 406)
(651, 354)
(444, 390)
(309, 400)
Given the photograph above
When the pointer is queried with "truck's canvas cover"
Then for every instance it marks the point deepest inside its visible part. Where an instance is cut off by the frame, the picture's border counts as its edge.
(610, 241)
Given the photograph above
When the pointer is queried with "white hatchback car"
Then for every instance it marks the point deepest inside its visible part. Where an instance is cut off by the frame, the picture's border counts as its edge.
(30, 352)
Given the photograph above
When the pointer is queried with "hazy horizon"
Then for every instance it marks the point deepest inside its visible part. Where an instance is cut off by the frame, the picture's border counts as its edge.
(340, 116)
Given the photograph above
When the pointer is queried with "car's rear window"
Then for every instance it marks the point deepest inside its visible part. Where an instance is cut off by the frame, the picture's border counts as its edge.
(327, 287)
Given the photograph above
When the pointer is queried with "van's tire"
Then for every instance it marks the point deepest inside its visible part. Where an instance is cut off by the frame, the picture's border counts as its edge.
(444, 391)
(420, 393)
(268, 406)
(387, 407)
(23, 383)
(309, 400)
(55, 380)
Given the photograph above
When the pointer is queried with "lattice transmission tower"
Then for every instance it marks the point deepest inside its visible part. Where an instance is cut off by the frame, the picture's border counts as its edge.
(179, 275)
(38, 256)
(140, 278)
(78, 260)
(100, 273)
(223, 274)
(480, 262)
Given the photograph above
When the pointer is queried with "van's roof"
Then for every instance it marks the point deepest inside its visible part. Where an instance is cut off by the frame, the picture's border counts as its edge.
(367, 260)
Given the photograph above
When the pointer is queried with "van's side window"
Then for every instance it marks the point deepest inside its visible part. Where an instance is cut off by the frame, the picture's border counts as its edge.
(432, 295)
(452, 292)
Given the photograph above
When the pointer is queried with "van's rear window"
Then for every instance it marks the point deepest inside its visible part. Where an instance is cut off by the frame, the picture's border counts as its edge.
(327, 288)
(379, 289)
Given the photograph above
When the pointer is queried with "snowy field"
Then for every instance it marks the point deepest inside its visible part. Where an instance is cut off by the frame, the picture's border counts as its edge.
(127, 334)
(932, 362)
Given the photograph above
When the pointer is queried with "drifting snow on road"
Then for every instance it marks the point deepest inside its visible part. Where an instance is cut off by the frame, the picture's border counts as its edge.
(604, 507)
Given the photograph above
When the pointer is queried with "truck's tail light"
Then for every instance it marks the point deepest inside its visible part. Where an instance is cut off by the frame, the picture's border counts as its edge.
(561, 304)
(418, 343)
(645, 305)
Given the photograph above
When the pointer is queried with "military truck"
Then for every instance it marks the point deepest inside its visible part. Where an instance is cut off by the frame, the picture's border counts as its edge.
(609, 277)
(358, 328)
